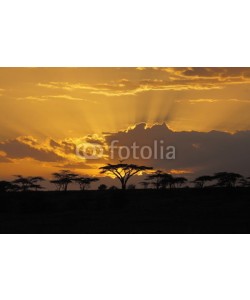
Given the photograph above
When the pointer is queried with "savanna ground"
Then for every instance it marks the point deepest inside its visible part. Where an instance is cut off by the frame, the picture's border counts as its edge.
(187, 210)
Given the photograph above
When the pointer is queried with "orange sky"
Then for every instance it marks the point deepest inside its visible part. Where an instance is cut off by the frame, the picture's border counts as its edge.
(45, 108)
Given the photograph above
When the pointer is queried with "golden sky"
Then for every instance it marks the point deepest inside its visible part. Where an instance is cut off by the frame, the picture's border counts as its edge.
(45, 108)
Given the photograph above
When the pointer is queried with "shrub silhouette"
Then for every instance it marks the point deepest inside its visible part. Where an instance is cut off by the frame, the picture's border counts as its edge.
(113, 188)
(102, 187)
(132, 187)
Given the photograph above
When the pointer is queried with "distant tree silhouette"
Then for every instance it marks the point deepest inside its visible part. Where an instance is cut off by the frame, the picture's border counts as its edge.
(225, 179)
(85, 182)
(155, 179)
(113, 188)
(57, 183)
(243, 182)
(202, 180)
(34, 183)
(22, 182)
(63, 179)
(145, 184)
(161, 180)
(102, 187)
(37, 187)
(123, 172)
(132, 187)
(167, 181)
(6, 186)
(179, 181)
(28, 183)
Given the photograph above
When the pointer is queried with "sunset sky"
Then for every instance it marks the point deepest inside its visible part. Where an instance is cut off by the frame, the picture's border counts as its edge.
(45, 112)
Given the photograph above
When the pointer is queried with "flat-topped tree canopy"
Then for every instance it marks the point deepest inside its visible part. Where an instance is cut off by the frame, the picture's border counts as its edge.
(201, 181)
(124, 171)
(63, 178)
(27, 183)
(85, 182)
(227, 179)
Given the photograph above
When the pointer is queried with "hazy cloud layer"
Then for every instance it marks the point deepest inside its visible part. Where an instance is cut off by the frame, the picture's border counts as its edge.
(70, 102)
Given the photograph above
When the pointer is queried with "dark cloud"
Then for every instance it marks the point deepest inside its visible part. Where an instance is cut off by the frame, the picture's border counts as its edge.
(209, 76)
(63, 146)
(54, 144)
(79, 166)
(17, 149)
(200, 152)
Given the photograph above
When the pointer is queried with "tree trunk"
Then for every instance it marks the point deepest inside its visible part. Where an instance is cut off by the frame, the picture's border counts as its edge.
(124, 185)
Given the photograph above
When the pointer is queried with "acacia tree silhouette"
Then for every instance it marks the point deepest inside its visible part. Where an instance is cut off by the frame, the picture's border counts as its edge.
(34, 183)
(155, 179)
(162, 180)
(63, 179)
(26, 183)
(201, 181)
(22, 182)
(85, 182)
(226, 179)
(124, 172)
(179, 181)
(6, 186)
(166, 181)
